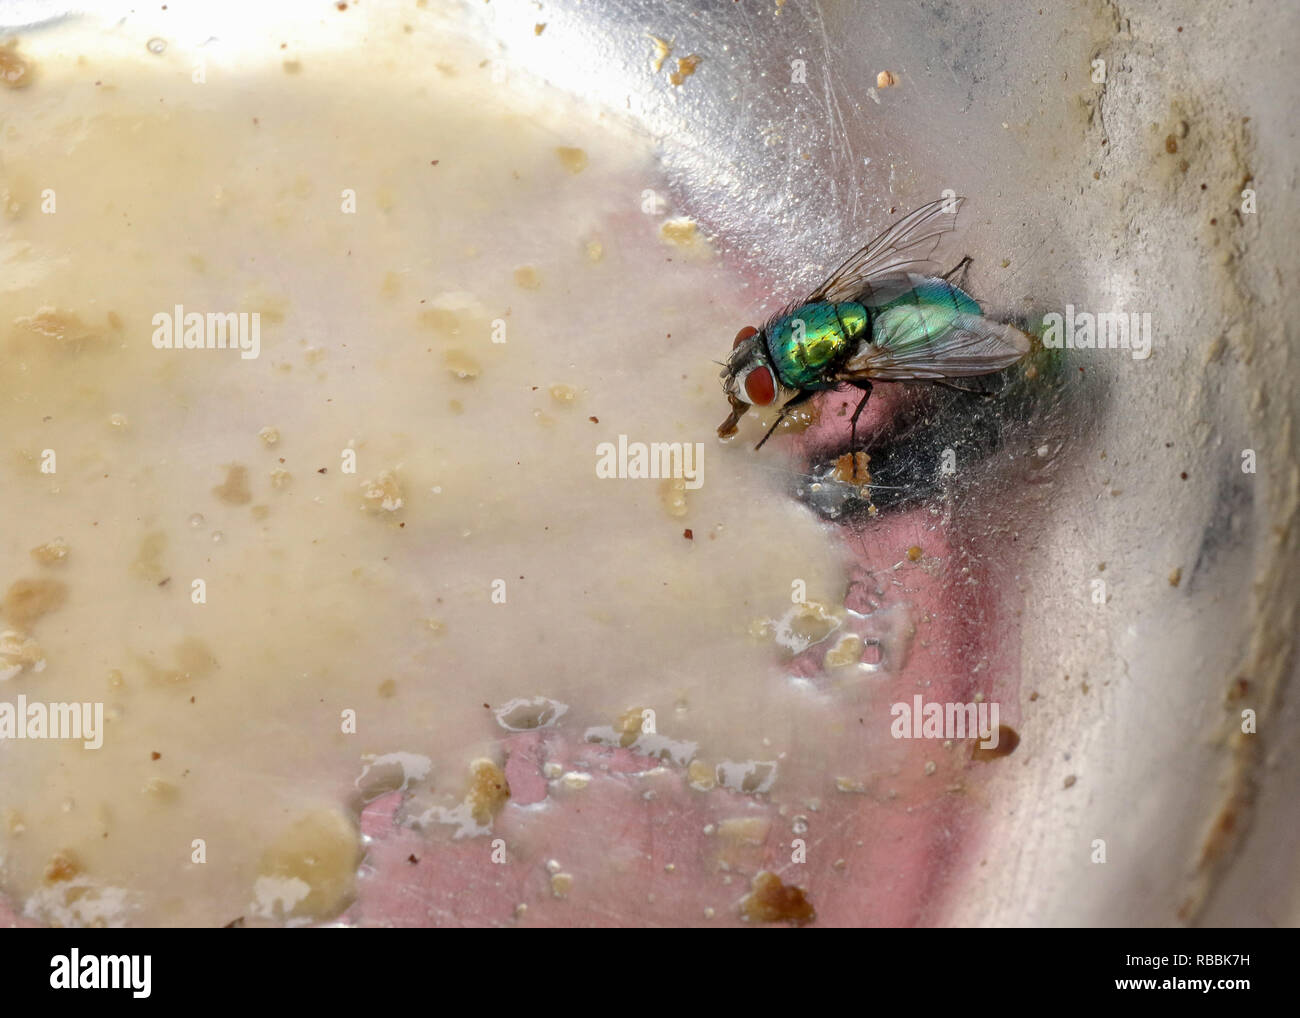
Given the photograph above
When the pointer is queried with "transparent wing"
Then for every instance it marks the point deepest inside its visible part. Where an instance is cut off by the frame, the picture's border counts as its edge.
(907, 347)
(908, 243)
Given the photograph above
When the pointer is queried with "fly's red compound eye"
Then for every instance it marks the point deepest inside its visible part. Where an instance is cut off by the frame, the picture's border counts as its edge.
(743, 335)
(760, 387)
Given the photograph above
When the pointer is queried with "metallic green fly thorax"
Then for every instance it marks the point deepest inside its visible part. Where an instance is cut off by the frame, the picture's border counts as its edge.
(806, 343)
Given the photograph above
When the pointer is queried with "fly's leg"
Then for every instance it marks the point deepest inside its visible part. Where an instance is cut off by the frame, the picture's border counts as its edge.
(865, 386)
(962, 266)
(802, 397)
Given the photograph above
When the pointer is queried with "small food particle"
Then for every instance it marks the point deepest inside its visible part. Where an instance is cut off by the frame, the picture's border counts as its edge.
(688, 534)
(852, 469)
(51, 553)
(572, 159)
(462, 365)
(269, 436)
(1008, 740)
(280, 477)
(662, 49)
(772, 901)
(65, 328)
(539, 28)
(914, 553)
(680, 231)
(628, 726)
(309, 871)
(526, 278)
(62, 866)
(27, 600)
(564, 393)
(1069, 782)
(595, 251)
(886, 79)
(488, 791)
(15, 72)
(740, 836)
(234, 491)
(18, 651)
(846, 652)
(700, 776)
(1176, 576)
(685, 68)
(561, 884)
(383, 494)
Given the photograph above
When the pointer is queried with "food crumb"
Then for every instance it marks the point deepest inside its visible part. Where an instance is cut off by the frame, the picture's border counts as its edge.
(886, 79)
(27, 600)
(1176, 576)
(526, 278)
(662, 49)
(772, 901)
(685, 68)
(19, 651)
(269, 436)
(62, 866)
(488, 790)
(700, 776)
(851, 468)
(15, 72)
(383, 494)
(1008, 740)
(680, 231)
(1069, 782)
(573, 159)
(51, 552)
(462, 365)
(914, 553)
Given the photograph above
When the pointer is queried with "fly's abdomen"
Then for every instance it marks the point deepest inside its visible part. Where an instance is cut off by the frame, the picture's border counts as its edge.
(919, 309)
(807, 343)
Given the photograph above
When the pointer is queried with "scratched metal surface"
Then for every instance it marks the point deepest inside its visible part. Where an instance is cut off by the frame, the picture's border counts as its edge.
(1071, 200)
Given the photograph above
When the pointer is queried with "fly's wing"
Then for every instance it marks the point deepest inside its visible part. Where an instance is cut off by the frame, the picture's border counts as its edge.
(909, 243)
(925, 342)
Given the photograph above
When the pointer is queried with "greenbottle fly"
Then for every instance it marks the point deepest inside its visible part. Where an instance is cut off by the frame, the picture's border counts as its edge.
(873, 320)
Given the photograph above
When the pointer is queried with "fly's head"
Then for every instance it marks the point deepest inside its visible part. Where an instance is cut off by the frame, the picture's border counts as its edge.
(748, 378)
